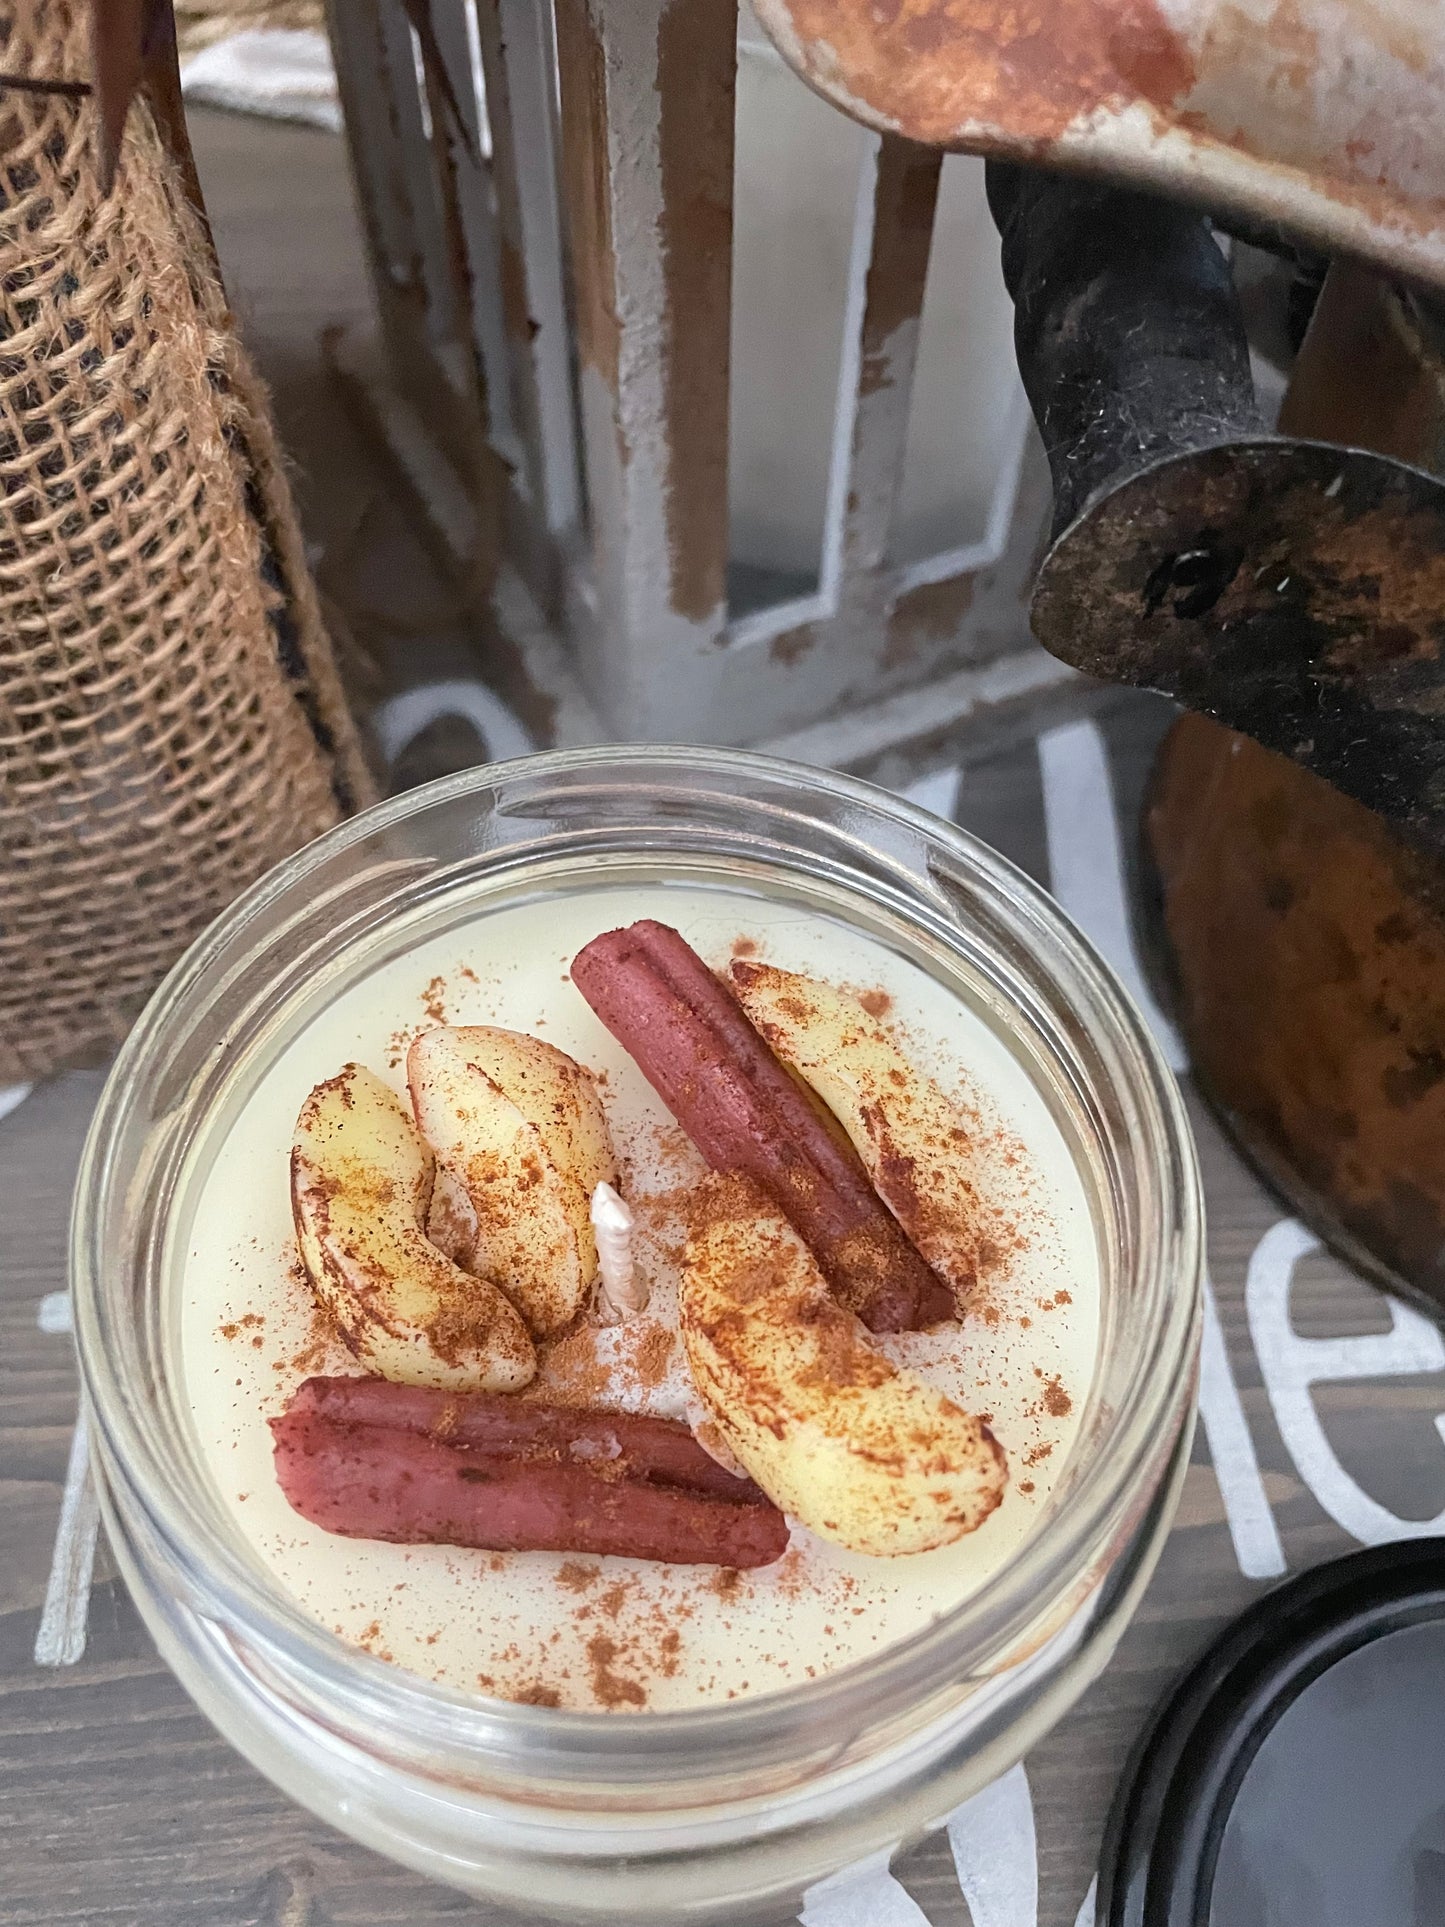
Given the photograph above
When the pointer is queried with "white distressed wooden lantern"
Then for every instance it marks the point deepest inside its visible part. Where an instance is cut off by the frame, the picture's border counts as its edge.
(725, 379)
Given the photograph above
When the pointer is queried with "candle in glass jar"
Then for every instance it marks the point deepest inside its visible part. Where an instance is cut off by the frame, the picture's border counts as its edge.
(612, 1633)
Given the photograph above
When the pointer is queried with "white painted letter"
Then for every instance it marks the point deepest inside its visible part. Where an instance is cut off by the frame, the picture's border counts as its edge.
(1231, 1450)
(1291, 1365)
(863, 1895)
(996, 1853)
(1086, 865)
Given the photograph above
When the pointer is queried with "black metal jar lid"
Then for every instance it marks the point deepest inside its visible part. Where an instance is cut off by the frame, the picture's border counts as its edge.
(1296, 1778)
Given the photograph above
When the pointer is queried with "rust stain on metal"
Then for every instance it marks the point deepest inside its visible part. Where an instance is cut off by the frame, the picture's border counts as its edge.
(582, 64)
(1309, 958)
(1257, 91)
(932, 613)
(1321, 113)
(696, 64)
(1415, 44)
(1283, 51)
(1317, 624)
(931, 66)
(1393, 569)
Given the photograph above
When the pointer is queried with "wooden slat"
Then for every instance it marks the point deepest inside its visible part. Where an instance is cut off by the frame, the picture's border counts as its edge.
(417, 168)
(443, 376)
(647, 115)
(894, 232)
(396, 174)
(467, 199)
(518, 59)
(375, 146)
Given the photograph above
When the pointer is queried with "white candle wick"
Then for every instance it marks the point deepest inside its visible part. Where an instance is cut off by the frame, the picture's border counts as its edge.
(622, 1290)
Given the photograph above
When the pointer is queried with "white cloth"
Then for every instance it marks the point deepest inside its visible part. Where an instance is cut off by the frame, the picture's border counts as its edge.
(283, 72)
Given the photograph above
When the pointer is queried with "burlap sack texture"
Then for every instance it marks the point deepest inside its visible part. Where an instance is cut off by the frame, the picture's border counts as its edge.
(171, 721)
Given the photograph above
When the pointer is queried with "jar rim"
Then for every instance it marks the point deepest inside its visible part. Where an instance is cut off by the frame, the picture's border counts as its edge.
(447, 1720)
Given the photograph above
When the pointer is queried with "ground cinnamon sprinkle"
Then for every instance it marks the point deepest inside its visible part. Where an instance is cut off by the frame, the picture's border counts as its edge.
(877, 1003)
(401, 1041)
(745, 947)
(569, 1371)
(577, 1577)
(319, 1349)
(657, 1223)
(791, 1573)
(252, 1321)
(614, 1599)
(538, 1695)
(610, 1687)
(652, 1354)
(433, 1000)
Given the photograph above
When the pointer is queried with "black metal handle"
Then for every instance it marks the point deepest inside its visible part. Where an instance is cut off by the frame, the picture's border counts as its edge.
(1129, 335)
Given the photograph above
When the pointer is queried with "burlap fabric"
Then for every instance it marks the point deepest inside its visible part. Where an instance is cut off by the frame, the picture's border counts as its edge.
(201, 22)
(171, 722)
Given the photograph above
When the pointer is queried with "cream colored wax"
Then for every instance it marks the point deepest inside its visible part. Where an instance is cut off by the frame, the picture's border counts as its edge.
(617, 1633)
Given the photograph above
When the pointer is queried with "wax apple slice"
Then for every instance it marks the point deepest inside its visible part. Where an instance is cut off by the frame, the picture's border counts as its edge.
(369, 1465)
(706, 1060)
(914, 1142)
(864, 1452)
(519, 1125)
(361, 1184)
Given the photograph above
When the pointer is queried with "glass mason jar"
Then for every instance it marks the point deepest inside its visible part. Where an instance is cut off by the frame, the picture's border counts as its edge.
(694, 1815)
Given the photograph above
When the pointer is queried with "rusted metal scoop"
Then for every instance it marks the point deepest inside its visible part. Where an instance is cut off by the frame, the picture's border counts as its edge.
(1291, 588)
(1322, 116)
